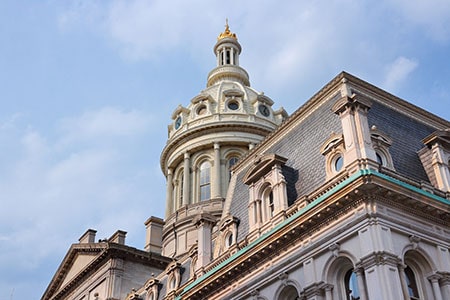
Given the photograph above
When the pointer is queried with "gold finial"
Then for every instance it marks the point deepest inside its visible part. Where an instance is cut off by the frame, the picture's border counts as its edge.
(227, 33)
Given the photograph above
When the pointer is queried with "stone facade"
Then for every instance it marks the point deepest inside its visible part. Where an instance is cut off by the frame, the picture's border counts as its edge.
(348, 198)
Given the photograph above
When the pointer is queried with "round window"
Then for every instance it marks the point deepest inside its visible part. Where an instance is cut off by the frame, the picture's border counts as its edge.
(233, 105)
(178, 123)
(338, 163)
(264, 110)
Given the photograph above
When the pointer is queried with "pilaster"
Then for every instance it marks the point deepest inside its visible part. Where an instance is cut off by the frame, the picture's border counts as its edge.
(382, 276)
(352, 111)
(204, 223)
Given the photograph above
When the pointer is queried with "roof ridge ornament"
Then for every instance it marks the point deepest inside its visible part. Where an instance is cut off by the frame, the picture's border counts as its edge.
(227, 33)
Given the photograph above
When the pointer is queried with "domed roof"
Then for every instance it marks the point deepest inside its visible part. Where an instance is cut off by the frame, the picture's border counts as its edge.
(227, 104)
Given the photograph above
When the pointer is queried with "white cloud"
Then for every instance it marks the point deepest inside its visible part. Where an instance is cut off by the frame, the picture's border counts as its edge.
(58, 185)
(398, 71)
(431, 15)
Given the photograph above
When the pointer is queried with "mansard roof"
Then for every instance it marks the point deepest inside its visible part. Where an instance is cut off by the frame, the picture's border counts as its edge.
(301, 137)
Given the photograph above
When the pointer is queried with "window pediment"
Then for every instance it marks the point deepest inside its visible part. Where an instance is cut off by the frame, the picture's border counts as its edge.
(233, 93)
(334, 141)
(262, 166)
(201, 98)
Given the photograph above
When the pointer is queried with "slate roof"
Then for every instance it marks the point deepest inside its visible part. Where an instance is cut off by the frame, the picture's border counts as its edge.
(300, 142)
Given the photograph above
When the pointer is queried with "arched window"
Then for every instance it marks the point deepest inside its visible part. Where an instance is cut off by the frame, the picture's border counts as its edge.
(411, 283)
(289, 293)
(231, 162)
(268, 205)
(351, 285)
(205, 181)
(229, 240)
(379, 158)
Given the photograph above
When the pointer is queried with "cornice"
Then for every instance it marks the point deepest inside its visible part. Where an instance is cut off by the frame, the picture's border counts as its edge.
(215, 128)
(390, 100)
(310, 218)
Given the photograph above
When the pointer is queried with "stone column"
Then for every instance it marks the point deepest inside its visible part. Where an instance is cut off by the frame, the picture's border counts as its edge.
(216, 182)
(186, 179)
(232, 55)
(224, 58)
(169, 192)
(436, 288)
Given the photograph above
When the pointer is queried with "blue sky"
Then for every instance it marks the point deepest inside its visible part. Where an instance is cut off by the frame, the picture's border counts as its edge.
(87, 89)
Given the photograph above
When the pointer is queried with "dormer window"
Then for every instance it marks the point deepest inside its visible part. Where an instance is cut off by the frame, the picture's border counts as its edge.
(228, 234)
(268, 194)
(381, 144)
(173, 272)
(333, 150)
(435, 158)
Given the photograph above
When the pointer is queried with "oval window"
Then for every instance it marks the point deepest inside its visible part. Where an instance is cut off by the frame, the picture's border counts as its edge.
(233, 105)
(338, 163)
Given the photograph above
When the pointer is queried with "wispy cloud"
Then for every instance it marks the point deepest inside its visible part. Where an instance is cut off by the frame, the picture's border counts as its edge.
(66, 180)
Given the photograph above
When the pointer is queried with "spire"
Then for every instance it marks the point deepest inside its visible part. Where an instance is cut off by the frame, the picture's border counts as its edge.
(227, 33)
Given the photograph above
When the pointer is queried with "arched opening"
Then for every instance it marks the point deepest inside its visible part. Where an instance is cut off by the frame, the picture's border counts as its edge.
(230, 163)
(415, 275)
(288, 293)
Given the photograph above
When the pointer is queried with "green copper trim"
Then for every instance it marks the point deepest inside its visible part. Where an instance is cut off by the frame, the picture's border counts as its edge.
(410, 187)
(289, 220)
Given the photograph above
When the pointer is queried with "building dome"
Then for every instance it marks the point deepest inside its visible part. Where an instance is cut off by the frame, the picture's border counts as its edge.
(209, 135)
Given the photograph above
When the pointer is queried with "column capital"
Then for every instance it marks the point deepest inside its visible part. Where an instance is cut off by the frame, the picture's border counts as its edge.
(203, 218)
(434, 277)
(350, 103)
